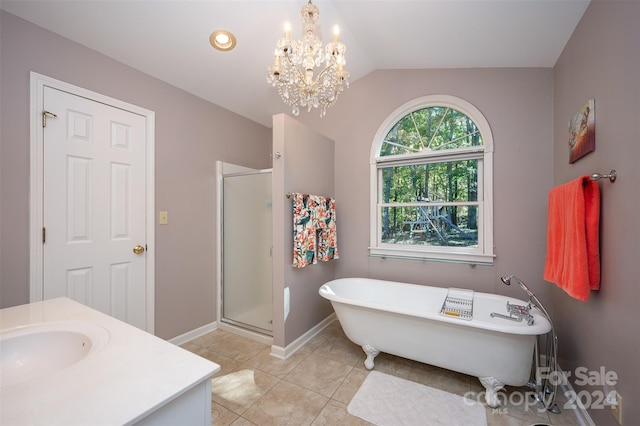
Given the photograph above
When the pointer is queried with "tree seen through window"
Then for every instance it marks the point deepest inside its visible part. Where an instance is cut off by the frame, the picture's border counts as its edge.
(431, 202)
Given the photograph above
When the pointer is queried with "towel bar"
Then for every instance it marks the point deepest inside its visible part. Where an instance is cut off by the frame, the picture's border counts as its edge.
(613, 175)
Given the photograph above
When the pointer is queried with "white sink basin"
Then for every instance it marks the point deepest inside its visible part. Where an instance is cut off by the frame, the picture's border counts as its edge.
(38, 351)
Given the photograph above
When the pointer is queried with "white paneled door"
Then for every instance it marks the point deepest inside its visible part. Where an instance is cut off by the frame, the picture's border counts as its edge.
(94, 213)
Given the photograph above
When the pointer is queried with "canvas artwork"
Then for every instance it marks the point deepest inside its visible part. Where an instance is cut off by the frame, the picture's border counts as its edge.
(582, 132)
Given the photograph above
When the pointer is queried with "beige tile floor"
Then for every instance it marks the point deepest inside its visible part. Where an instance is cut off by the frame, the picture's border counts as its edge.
(315, 385)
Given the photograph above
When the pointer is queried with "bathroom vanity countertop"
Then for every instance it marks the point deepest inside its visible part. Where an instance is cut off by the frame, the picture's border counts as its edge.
(128, 375)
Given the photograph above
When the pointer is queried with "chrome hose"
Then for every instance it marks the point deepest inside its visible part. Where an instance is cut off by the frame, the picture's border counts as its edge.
(541, 385)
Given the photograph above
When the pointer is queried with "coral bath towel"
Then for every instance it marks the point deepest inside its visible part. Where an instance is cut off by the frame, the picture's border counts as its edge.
(573, 248)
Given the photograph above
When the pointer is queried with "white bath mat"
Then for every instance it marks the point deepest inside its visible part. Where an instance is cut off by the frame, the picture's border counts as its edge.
(390, 401)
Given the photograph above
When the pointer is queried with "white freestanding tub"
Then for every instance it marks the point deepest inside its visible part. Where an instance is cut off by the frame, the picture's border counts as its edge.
(405, 320)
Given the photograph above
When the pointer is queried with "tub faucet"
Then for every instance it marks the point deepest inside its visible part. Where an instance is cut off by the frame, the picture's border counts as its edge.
(533, 299)
(518, 312)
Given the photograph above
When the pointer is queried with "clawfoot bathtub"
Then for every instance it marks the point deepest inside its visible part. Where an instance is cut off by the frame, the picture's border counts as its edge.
(405, 320)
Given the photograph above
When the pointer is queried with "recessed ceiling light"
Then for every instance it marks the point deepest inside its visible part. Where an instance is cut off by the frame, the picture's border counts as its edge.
(222, 40)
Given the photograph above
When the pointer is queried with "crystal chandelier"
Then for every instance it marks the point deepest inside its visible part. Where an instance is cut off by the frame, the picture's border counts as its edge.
(296, 61)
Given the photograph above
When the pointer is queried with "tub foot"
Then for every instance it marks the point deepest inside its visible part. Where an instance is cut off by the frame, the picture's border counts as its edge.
(492, 385)
(371, 354)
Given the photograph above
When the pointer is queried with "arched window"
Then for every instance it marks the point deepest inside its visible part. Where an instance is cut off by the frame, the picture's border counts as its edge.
(431, 180)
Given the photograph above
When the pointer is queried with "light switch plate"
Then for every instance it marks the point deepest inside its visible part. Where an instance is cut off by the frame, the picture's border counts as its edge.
(164, 218)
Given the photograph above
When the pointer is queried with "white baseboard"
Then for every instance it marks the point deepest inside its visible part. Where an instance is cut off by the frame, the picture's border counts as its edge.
(290, 349)
(190, 335)
(581, 413)
(276, 351)
(582, 416)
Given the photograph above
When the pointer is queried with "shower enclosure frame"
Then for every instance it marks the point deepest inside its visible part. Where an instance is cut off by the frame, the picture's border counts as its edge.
(226, 170)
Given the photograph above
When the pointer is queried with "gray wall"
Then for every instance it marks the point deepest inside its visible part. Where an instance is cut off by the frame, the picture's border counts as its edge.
(518, 106)
(306, 165)
(602, 62)
(191, 135)
(528, 110)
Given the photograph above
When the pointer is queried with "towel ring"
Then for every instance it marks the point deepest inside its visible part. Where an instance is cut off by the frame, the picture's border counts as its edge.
(613, 175)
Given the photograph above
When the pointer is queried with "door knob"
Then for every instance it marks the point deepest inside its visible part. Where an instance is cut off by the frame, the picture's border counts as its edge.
(138, 249)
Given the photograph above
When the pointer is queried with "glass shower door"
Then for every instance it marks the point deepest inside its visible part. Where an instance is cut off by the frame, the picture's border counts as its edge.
(247, 289)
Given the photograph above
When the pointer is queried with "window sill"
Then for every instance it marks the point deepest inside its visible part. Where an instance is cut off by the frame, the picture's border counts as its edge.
(412, 254)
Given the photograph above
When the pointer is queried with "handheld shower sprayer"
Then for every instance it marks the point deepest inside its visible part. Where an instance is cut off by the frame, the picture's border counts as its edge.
(507, 281)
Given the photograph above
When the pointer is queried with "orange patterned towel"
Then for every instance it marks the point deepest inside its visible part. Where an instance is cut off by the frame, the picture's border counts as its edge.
(573, 247)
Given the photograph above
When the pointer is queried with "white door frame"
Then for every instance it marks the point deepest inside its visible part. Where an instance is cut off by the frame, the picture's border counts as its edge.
(36, 186)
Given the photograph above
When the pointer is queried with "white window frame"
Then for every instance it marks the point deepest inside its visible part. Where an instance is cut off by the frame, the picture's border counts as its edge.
(483, 254)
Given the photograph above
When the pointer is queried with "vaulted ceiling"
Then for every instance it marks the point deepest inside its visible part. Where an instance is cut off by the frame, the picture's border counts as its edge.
(169, 39)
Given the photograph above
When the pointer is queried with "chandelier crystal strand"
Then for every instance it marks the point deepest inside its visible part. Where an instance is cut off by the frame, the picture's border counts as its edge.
(293, 72)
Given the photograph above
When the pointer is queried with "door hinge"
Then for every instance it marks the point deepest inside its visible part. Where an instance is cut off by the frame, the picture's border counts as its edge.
(44, 117)
(44, 235)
